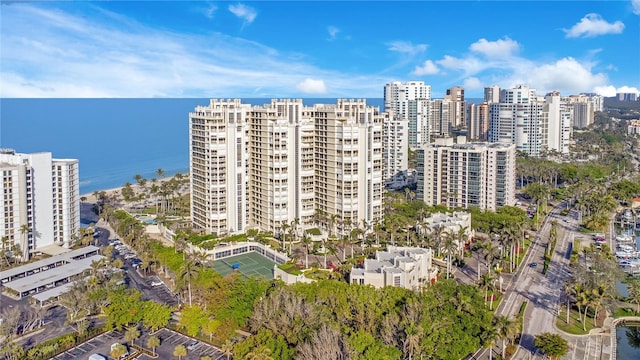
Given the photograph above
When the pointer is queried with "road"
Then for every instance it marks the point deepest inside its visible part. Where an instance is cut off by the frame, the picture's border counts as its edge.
(545, 294)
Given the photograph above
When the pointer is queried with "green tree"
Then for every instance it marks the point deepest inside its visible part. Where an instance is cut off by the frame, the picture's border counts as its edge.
(192, 319)
(132, 334)
(553, 345)
(210, 327)
(155, 315)
(153, 342)
(188, 272)
(118, 350)
(179, 351)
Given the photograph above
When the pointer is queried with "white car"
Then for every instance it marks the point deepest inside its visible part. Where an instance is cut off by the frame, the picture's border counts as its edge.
(157, 283)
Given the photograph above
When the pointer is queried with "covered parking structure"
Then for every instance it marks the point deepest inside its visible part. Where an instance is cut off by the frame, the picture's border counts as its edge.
(52, 278)
(47, 264)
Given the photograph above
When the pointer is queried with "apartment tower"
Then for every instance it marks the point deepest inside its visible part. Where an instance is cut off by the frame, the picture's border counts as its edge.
(466, 174)
(41, 201)
(517, 119)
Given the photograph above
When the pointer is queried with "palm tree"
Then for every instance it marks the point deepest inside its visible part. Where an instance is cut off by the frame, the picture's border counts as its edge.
(412, 340)
(306, 240)
(24, 245)
(486, 282)
(132, 334)
(507, 329)
(153, 342)
(450, 246)
(283, 227)
(227, 348)
(180, 351)
(188, 271)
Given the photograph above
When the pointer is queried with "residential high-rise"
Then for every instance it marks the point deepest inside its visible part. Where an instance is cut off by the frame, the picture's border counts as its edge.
(557, 113)
(492, 94)
(218, 160)
(457, 106)
(478, 121)
(41, 201)
(466, 174)
(394, 149)
(282, 164)
(584, 107)
(517, 119)
(401, 98)
(440, 119)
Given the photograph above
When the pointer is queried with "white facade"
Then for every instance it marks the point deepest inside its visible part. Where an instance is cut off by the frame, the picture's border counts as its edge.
(406, 267)
(584, 108)
(464, 175)
(455, 223)
(492, 94)
(217, 159)
(517, 119)
(478, 121)
(285, 163)
(395, 147)
(41, 201)
(401, 98)
(556, 124)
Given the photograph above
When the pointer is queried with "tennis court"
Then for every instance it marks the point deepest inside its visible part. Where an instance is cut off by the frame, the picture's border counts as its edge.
(249, 264)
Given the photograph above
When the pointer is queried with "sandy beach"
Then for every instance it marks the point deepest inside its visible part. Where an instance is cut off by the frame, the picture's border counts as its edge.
(90, 197)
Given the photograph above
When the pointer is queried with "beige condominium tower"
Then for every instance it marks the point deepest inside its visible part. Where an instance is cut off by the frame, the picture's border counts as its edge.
(285, 163)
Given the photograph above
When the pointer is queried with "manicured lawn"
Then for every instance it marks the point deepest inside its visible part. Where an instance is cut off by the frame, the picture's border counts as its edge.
(575, 326)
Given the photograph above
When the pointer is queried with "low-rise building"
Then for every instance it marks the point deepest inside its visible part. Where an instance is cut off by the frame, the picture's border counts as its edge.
(407, 267)
(457, 224)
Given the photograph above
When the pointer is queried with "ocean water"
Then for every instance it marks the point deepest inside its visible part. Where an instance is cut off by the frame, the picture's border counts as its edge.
(113, 139)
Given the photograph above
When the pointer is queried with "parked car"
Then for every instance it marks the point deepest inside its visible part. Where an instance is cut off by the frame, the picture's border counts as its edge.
(157, 283)
(192, 345)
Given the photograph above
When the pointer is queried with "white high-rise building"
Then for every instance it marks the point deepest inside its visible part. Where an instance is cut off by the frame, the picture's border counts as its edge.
(584, 107)
(394, 149)
(218, 160)
(517, 119)
(283, 163)
(457, 106)
(401, 98)
(281, 166)
(466, 174)
(492, 94)
(557, 113)
(41, 201)
(478, 121)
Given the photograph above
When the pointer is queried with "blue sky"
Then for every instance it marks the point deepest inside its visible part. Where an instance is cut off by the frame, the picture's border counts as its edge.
(224, 49)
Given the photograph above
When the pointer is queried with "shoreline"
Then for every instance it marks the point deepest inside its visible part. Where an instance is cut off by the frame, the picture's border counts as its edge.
(91, 198)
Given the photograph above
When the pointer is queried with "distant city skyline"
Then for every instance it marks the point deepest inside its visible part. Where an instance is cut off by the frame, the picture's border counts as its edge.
(315, 49)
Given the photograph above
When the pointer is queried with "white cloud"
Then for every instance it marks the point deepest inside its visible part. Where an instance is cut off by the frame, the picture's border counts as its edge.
(610, 90)
(469, 65)
(428, 68)
(246, 13)
(628, 89)
(333, 32)
(312, 86)
(208, 12)
(473, 83)
(566, 75)
(635, 4)
(122, 58)
(593, 25)
(607, 91)
(406, 47)
(499, 48)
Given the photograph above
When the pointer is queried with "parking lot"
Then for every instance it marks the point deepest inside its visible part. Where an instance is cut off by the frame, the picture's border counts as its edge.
(169, 339)
(100, 344)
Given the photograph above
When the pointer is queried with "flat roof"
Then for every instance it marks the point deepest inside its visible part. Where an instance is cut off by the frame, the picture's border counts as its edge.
(46, 262)
(52, 275)
(55, 292)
